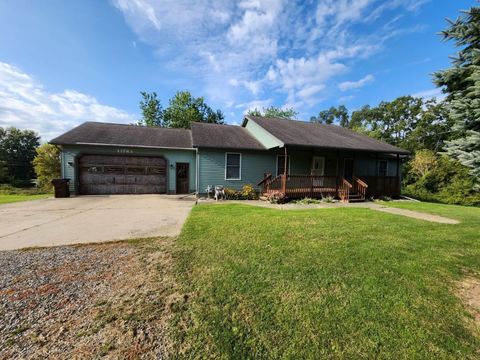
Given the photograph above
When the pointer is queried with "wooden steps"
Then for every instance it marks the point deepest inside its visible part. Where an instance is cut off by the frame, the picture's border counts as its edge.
(355, 197)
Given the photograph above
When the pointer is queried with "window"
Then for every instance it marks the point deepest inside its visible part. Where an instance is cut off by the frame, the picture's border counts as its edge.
(382, 168)
(233, 164)
(281, 164)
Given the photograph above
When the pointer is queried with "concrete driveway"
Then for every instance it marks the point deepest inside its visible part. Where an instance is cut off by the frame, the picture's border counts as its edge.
(87, 219)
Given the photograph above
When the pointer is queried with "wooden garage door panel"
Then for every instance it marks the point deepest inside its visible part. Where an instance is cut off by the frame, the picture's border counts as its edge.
(104, 174)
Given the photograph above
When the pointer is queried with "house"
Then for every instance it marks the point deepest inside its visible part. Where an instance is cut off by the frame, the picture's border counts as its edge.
(286, 157)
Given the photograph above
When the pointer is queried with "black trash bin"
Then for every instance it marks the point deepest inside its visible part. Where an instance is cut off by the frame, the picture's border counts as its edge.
(61, 186)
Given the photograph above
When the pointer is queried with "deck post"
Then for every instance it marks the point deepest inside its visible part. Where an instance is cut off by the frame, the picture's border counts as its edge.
(398, 175)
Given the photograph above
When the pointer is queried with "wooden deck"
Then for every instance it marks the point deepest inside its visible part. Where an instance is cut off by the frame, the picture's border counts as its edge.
(312, 186)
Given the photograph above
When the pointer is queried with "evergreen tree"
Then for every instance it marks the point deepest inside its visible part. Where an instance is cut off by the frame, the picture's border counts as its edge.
(462, 84)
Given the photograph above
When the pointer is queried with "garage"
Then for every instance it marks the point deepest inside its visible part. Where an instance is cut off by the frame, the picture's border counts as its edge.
(112, 174)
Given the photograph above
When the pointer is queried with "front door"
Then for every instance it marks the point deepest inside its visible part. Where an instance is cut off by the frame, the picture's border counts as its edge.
(348, 166)
(318, 169)
(182, 178)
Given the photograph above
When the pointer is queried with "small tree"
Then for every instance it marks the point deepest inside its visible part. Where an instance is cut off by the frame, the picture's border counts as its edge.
(423, 162)
(274, 112)
(47, 165)
(151, 110)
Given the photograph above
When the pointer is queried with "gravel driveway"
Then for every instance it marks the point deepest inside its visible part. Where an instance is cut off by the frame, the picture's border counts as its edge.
(87, 219)
(86, 301)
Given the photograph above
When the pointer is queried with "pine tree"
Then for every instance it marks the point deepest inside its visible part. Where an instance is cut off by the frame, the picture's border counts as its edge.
(462, 84)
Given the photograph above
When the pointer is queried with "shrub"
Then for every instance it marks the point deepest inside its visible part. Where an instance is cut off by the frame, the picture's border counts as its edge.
(232, 194)
(248, 192)
(47, 165)
(328, 199)
(276, 198)
(442, 180)
(307, 201)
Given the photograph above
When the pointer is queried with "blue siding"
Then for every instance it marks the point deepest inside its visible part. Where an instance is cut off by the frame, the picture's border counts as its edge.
(254, 165)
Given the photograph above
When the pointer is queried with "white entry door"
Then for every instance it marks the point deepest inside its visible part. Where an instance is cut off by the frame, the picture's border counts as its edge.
(318, 169)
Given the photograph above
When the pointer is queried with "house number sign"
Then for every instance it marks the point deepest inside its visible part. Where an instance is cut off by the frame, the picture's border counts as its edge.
(125, 151)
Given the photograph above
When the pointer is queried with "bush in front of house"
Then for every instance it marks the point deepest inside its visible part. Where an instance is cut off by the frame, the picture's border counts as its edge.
(246, 193)
(276, 198)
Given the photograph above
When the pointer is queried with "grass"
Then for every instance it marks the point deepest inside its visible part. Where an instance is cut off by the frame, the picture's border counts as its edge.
(7, 198)
(327, 283)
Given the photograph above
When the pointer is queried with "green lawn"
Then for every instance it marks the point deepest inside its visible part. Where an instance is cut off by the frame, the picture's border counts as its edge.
(5, 199)
(327, 283)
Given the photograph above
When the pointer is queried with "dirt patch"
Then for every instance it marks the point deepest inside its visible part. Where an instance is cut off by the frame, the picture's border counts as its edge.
(469, 292)
(108, 300)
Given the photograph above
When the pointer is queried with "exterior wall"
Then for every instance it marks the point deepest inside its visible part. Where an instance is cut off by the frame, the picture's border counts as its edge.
(211, 165)
(262, 135)
(70, 153)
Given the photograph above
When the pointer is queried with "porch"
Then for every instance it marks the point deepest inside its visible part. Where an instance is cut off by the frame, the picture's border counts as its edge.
(343, 175)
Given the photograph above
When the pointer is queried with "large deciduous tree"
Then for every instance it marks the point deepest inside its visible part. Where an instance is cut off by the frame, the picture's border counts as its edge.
(274, 112)
(152, 113)
(333, 115)
(47, 165)
(183, 109)
(17, 150)
(462, 84)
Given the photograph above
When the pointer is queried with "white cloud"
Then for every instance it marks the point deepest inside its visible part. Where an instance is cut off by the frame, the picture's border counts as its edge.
(255, 104)
(430, 94)
(24, 103)
(348, 85)
(264, 45)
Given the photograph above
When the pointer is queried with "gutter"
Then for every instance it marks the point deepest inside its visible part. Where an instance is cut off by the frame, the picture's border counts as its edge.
(133, 146)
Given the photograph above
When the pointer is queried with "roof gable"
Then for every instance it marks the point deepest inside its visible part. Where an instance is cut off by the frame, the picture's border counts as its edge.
(223, 136)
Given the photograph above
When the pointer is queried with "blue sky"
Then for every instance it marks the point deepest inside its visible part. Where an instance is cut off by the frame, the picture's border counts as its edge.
(65, 62)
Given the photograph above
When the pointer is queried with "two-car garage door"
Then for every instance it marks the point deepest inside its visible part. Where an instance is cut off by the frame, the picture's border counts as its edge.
(106, 174)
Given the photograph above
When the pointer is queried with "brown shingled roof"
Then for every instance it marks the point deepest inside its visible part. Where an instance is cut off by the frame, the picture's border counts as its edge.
(223, 136)
(97, 133)
(301, 133)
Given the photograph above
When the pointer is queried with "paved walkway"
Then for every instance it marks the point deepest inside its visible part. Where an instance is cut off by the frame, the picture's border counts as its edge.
(367, 204)
(86, 219)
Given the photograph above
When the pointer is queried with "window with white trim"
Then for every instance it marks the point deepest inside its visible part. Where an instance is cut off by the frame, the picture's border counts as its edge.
(233, 164)
(383, 168)
(281, 164)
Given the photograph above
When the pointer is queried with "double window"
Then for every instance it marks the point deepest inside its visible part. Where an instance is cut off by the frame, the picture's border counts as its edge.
(281, 164)
(233, 166)
(382, 168)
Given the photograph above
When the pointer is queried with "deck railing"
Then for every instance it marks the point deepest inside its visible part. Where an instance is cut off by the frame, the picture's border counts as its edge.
(359, 187)
(300, 186)
(344, 190)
